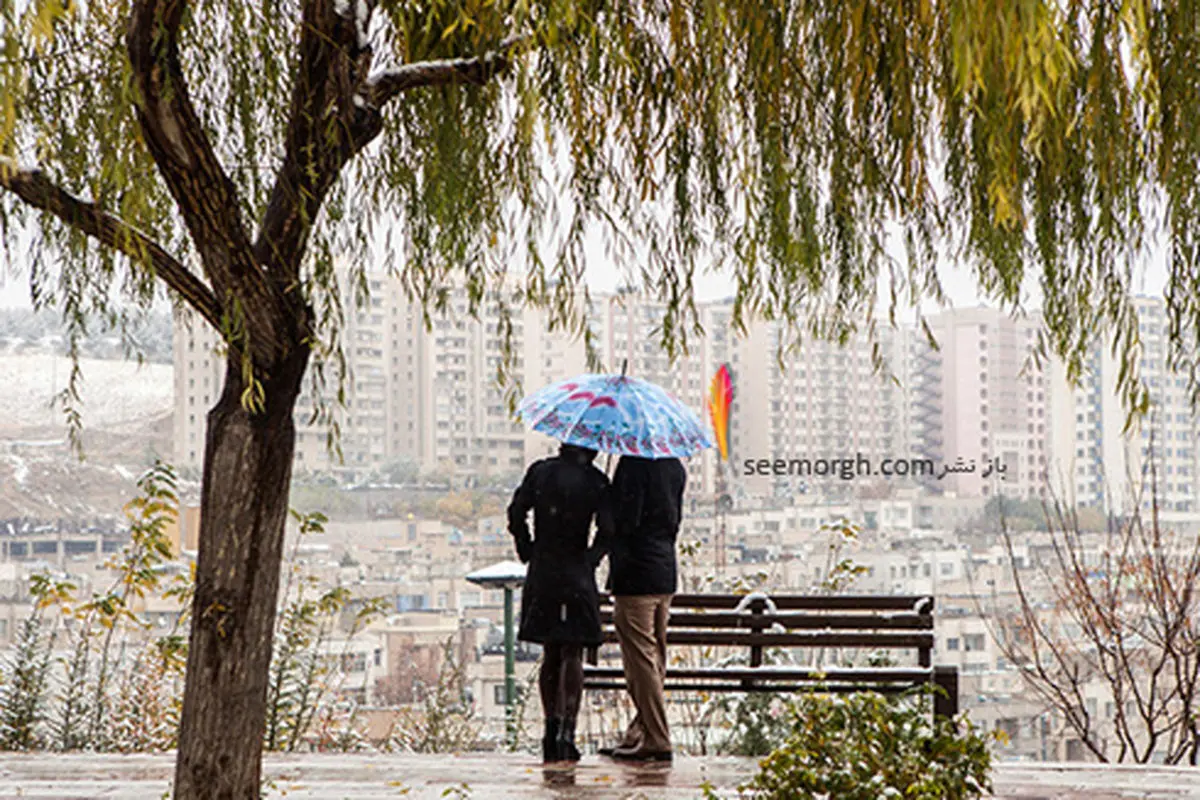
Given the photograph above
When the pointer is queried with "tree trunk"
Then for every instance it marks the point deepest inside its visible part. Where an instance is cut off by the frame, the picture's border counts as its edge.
(243, 513)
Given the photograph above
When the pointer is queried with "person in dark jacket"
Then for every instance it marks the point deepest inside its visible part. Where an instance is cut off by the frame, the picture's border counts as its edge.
(647, 502)
(560, 606)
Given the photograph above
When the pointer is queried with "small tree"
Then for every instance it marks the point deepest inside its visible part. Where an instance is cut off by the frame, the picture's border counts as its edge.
(1112, 617)
(867, 745)
(456, 508)
(82, 716)
(443, 719)
(24, 678)
(23, 689)
(404, 470)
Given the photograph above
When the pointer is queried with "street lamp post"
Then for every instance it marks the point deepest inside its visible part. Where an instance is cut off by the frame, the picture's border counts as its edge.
(506, 575)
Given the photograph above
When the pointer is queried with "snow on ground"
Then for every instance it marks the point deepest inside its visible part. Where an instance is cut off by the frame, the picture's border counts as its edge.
(20, 472)
(113, 392)
(126, 411)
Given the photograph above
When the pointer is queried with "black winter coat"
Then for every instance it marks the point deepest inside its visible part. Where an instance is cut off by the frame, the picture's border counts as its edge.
(647, 502)
(559, 602)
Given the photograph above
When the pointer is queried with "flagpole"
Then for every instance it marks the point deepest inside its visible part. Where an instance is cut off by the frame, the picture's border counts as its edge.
(721, 542)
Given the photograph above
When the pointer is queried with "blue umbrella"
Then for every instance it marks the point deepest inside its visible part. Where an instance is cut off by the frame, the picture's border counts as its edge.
(615, 414)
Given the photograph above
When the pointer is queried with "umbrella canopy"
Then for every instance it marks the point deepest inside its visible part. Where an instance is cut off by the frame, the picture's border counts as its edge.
(615, 414)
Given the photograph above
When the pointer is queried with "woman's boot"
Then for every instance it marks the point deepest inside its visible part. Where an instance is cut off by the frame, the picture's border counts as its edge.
(567, 751)
(551, 749)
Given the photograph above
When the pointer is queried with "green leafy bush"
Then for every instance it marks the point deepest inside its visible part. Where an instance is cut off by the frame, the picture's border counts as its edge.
(866, 746)
(759, 721)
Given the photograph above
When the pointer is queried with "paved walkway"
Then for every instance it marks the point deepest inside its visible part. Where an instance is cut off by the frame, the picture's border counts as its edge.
(489, 776)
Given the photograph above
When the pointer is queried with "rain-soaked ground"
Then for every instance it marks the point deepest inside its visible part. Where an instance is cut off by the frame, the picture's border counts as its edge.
(484, 776)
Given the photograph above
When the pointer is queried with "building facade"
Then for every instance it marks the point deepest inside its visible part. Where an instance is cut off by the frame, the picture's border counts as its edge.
(980, 399)
(429, 397)
(1100, 464)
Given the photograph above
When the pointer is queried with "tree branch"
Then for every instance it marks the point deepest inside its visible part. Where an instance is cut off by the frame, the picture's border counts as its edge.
(478, 70)
(205, 195)
(335, 113)
(334, 59)
(38, 191)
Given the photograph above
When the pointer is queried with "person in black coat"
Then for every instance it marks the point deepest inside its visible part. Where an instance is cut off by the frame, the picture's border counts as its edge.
(560, 605)
(647, 501)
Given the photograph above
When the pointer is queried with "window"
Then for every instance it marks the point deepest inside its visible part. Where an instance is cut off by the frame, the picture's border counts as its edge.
(973, 642)
(952, 643)
(498, 693)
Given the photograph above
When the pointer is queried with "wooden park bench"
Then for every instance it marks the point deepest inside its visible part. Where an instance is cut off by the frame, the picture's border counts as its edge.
(757, 622)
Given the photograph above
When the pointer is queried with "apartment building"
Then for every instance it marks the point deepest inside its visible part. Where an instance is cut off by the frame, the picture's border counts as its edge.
(412, 392)
(430, 395)
(819, 401)
(199, 376)
(827, 401)
(1098, 463)
(629, 332)
(979, 396)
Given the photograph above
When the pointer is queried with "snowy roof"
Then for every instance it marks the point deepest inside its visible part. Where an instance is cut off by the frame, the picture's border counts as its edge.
(504, 572)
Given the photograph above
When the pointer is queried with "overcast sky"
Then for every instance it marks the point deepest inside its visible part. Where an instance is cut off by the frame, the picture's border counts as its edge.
(959, 283)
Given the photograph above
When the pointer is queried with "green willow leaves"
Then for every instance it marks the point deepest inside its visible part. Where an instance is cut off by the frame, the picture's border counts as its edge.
(795, 145)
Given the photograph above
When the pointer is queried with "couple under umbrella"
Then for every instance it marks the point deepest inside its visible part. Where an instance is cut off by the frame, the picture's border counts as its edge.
(637, 518)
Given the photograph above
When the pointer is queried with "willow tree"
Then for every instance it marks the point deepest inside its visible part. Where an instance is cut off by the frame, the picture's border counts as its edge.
(821, 152)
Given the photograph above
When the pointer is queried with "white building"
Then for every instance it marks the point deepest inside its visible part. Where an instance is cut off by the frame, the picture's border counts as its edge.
(979, 396)
(1100, 465)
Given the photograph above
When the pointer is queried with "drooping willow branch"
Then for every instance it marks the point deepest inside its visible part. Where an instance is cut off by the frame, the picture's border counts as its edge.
(36, 189)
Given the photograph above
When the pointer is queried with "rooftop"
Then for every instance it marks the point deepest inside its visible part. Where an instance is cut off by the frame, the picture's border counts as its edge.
(495, 776)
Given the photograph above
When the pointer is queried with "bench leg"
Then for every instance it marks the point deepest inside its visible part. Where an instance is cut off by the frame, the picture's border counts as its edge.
(945, 705)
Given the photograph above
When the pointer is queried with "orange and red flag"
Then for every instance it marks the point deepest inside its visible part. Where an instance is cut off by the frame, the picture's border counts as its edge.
(720, 403)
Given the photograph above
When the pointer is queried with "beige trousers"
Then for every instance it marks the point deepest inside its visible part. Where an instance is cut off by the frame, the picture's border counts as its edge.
(641, 623)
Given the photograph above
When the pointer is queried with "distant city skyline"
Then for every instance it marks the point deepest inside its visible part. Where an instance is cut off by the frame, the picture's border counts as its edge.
(428, 396)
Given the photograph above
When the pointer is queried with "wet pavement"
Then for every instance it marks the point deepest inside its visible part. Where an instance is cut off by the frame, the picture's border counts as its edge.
(488, 776)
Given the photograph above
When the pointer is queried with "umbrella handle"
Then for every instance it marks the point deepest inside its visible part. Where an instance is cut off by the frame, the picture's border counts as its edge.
(608, 461)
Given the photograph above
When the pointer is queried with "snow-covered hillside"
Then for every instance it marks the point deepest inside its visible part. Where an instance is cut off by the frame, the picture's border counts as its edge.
(113, 392)
(126, 410)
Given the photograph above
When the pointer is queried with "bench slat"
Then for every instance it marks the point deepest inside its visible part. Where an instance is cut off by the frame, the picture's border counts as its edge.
(718, 619)
(845, 688)
(731, 638)
(799, 602)
(832, 674)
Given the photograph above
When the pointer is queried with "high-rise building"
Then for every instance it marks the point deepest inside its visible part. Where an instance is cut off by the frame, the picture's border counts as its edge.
(823, 401)
(428, 396)
(980, 400)
(199, 377)
(1100, 465)
(628, 327)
